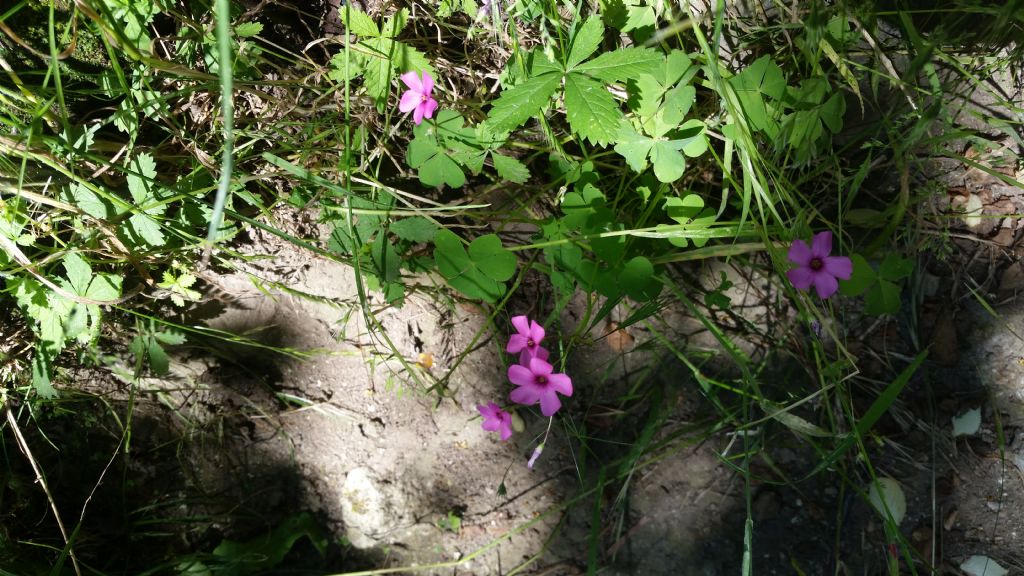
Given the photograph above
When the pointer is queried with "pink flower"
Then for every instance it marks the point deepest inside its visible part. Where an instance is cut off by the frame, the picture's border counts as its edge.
(496, 420)
(536, 383)
(417, 98)
(527, 341)
(816, 266)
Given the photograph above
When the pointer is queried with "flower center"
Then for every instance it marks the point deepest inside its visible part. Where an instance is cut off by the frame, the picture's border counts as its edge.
(816, 264)
(424, 97)
(542, 380)
(530, 343)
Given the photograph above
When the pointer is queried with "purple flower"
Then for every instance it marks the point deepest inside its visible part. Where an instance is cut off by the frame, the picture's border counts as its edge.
(496, 420)
(816, 266)
(526, 342)
(417, 98)
(536, 383)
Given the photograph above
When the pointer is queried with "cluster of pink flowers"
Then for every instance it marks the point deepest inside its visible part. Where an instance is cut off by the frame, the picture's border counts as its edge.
(534, 377)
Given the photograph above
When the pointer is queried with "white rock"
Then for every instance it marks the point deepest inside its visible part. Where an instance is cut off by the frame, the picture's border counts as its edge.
(983, 566)
(886, 494)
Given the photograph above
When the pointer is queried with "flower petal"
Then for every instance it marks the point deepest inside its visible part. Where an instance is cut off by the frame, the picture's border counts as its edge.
(410, 100)
(428, 85)
(800, 253)
(839, 266)
(520, 375)
(561, 383)
(428, 108)
(825, 284)
(801, 277)
(540, 367)
(521, 324)
(526, 354)
(412, 80)
(525, 395)
(487, 411)
(506, 426)
(536, 332)
(417, 114)
(821, 245)
(516, 343)
(549, 403)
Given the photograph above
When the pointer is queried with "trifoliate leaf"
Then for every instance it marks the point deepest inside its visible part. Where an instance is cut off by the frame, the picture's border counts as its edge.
(591, 110)
(621, 64)
(586, 41)
(449, 254)
(440, 169)
(762, 79)
(895, 268)
(691, 213)
(357, 21)
(521, 102)
(636, 277)
(492, 258)
(861, 279)
(509, 168)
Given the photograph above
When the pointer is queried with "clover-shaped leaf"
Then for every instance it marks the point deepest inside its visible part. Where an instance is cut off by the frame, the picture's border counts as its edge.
(691, 213)
(479, 273)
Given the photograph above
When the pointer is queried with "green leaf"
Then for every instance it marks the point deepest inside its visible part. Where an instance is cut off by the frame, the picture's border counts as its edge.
(519, 103)
(882, 298)
(42, 367)
(159, 363)
(385, 260)
(861, 279)
(449, 254)
(89, 202)
(669, 163)
(621, 64)
(586, 41)
(145, 229)
(636, 277)
(591, 110)
(440, 170)
(895, 268)
(492, 258)
(267, 551)
(634, 147)
(691, 213)
(509, 168)
(78, 272)
(357, 21)
(248, 29)
(762, 79)
(141, 178)
(395, 23)
(414, 229)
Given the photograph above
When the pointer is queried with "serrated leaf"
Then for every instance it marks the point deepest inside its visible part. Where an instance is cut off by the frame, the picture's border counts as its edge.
(357, 21)
(591, 110)
(104, 287)
(621, 64)
(248, 29)
(586, 41)
(414, 229)
(141, 177)
(492, 258)
(171, 338)
(42, 366)
(519, 103)
(146, 229)
(509, 168)
(159, 363)
(395, 23)
(78, 272)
